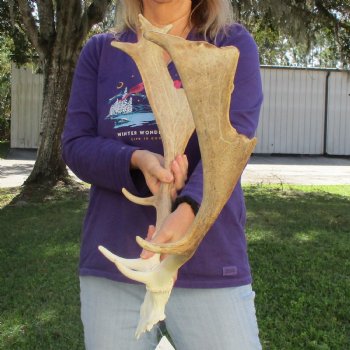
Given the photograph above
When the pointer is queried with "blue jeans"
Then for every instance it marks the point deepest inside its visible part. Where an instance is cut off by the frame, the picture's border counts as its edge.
(197, 319)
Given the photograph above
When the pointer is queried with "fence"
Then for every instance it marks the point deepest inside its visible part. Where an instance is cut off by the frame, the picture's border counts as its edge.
(26, 102)
(305, 111)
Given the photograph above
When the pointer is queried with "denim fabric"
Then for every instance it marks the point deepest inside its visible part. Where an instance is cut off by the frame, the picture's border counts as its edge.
(197, 319)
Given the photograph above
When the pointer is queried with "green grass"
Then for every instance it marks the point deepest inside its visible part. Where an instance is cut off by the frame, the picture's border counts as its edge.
(4, 148)
(39, 293)
(299, 246)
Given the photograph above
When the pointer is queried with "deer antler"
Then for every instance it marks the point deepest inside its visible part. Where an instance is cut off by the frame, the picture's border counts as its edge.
(175, 123)
(207, 76)
(170, 108)
(207, 70)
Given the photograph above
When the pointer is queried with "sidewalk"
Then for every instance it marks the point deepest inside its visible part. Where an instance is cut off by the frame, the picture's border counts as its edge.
(296, 170)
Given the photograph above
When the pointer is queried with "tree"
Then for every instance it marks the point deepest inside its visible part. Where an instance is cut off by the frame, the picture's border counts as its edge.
(5, 88)
(14, 47)
(16, 44)
(298, 26)
(57, 30)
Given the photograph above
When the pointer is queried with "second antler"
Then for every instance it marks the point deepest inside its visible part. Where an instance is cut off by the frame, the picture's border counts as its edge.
(207, 75)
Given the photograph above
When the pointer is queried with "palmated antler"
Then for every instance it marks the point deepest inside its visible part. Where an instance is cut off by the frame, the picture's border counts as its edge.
(207, 74)
(175, 123)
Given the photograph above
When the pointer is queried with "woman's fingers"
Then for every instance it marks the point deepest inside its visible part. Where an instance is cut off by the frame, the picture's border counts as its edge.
(183, 162)
(154, 172)
(160, 173)
(173, 228)
(152, 166)
(162, 236)
(145, 254)
(179, 167)
(150, 232)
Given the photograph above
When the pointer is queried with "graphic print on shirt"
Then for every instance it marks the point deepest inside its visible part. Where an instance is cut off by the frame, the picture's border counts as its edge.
(131, 108)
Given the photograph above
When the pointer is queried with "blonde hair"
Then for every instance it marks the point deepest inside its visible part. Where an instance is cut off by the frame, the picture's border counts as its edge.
(208, 17)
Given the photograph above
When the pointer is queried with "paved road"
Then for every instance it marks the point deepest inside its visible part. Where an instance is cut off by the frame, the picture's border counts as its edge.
(260, 169)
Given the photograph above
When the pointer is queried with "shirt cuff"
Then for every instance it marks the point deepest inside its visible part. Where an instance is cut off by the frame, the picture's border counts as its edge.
(186, 199)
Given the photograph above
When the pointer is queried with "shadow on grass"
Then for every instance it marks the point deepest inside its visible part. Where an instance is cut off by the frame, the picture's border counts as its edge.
(61, 190)
(299, 247)
(39, 300)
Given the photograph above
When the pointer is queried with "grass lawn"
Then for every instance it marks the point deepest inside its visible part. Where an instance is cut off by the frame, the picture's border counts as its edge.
(39, 293)
(299, 246)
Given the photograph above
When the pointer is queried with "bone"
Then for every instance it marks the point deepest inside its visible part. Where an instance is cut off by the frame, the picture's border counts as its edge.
(224, 152)
(133, 264)
(169, 105)
(158, 278)
(175, 123)
(206, 70)
(139, 200)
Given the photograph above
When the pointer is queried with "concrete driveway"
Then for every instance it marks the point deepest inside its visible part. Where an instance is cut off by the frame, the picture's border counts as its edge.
(310, 170)
(16, 167)
(297, 170)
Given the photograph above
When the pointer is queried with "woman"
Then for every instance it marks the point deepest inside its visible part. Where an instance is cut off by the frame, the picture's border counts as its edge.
(111, 141)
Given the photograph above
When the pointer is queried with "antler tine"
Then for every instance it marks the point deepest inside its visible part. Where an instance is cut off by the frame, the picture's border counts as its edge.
(159, 280)
(224, 152)
(134, 264)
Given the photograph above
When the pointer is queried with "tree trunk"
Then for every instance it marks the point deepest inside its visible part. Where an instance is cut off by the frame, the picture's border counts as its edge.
(63, 25)
(49, 166)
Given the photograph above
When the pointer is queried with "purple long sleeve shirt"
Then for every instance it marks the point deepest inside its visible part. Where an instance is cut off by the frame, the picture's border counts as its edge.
(109, 117)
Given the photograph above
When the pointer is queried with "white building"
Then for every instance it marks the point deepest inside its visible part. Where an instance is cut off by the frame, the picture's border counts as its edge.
(305, 111)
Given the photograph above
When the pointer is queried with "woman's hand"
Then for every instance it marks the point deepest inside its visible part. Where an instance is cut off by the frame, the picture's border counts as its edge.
(152, 166)
(179, 168)
(173, 229)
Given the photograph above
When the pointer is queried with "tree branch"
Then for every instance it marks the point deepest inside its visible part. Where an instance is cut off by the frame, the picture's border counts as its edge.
(68, 18)
(332, 18)
(28, 20)
(46, 20)
(94, 14)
